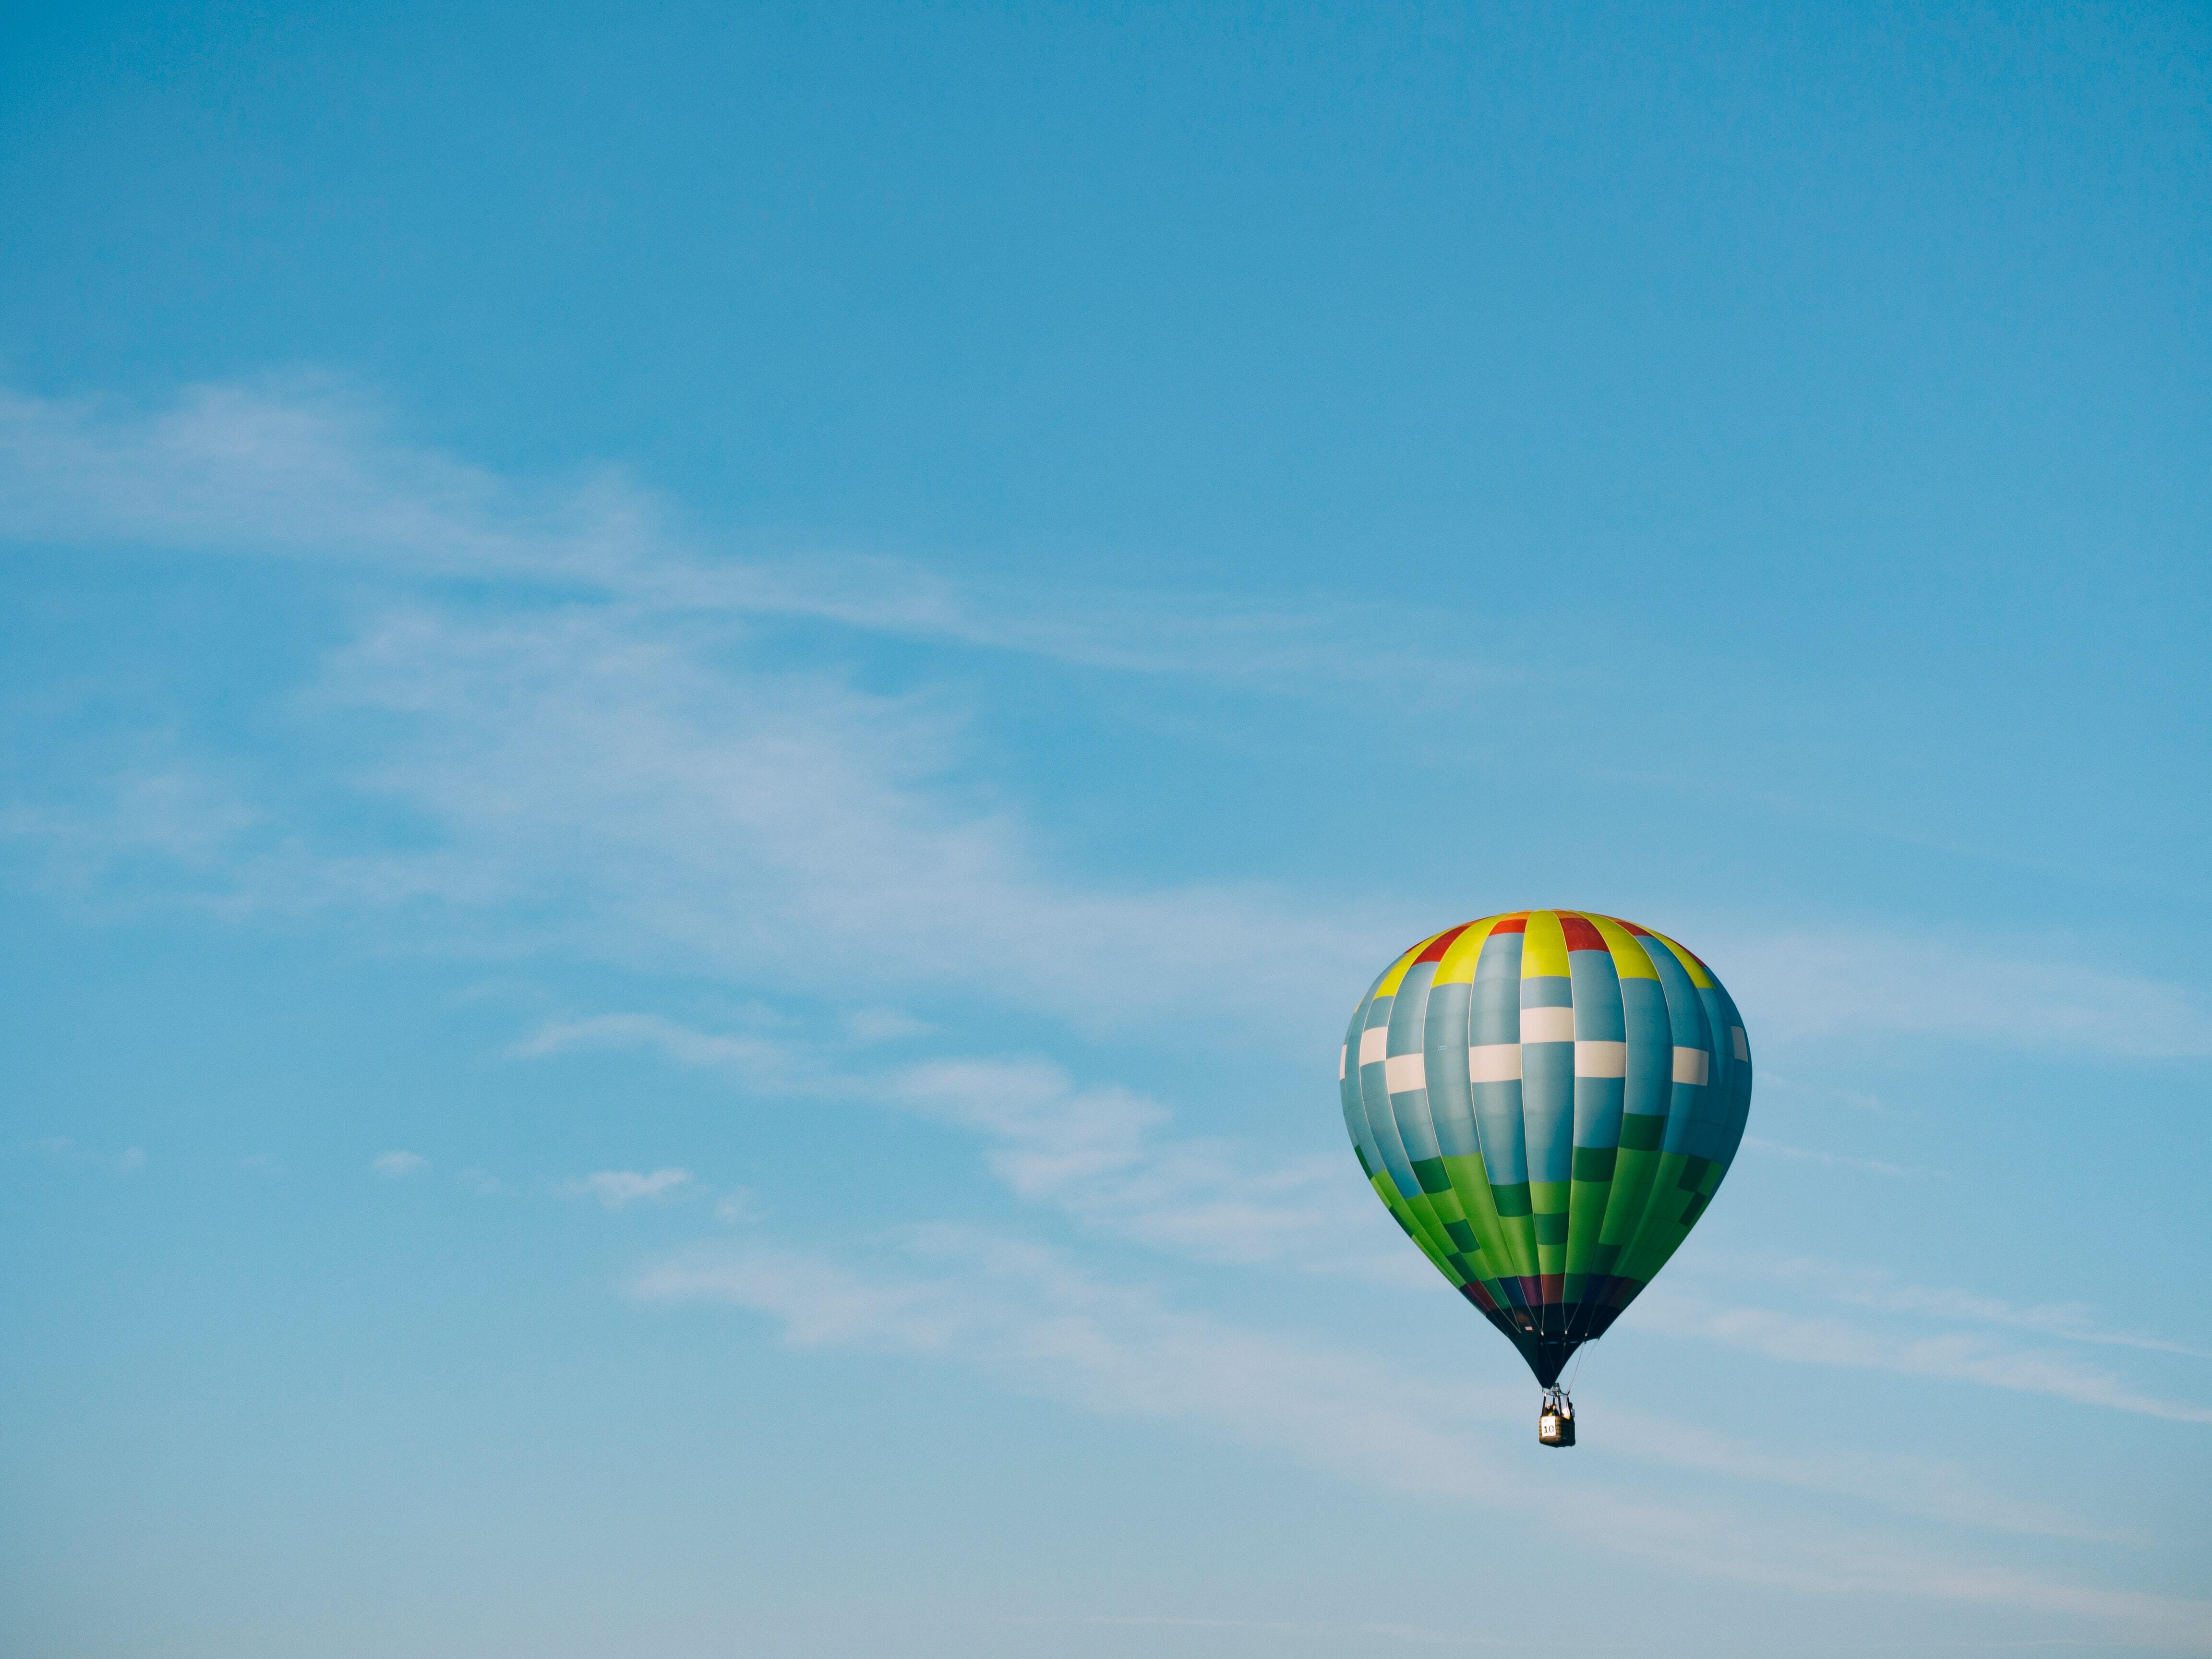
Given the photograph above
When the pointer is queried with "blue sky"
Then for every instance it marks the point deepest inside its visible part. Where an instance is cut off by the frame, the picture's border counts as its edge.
(711, 715)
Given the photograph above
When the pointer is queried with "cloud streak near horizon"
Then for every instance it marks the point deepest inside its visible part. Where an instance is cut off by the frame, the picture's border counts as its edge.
(1033, 1324)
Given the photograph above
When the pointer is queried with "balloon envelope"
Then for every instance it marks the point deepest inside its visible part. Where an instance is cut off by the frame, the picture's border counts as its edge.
(1546, 1101)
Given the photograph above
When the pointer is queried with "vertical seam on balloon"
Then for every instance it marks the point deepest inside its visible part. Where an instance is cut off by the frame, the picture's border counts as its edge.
(1655, 1191)
(1574, 1146)
(1480, 1207)
(1416, 1201)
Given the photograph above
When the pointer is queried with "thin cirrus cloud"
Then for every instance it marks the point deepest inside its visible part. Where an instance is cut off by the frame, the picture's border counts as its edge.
(760, 1058)
(1096, 1152)
(302, 468)
(1031, 1323)
(763, 825)
(613, 772)
(639, 800)
(1882, 1292)
(619, 1189)
(1100, 1155)
(2071, 1322)
(1800, 985)
(1948, 1355)
(615, 778)
(607, 789)
(1831, 1160)
(1916, 1484)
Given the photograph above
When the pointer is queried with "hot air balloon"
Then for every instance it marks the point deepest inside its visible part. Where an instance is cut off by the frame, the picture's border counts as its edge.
(1547, 1101)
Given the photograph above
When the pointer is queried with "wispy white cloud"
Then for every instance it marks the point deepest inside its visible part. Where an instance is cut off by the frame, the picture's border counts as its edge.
(752, 1055)
(601, 786)
(2073, 1322)
(739, 1204)
(1772, 1081)
(614, 746)
(295, 468)
(1104, 1156)
(1875, 1289)
(609, 770)
(188, 819)
(2040, 994)
(1831, 1160)
(1047, 1135)
(1922, 1483)
(304, 468)
(65, 1149)
(769, 826)
(1032, 1323)
(618, 1189)
(1099, 1153)
(395, 1165)
(885, 1025)
(1948, 1355)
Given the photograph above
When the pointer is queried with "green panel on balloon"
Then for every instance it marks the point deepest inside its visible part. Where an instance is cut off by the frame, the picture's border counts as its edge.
(1660, 1090)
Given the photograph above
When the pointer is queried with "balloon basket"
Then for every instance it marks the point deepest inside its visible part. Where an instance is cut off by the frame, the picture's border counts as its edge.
(1555, 1422)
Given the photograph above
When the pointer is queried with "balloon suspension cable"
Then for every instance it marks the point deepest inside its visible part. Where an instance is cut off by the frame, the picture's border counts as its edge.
(1581, 1354)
